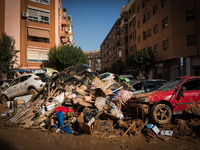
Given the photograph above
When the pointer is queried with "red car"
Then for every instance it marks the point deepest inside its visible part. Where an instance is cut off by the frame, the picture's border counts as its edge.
(172, 98)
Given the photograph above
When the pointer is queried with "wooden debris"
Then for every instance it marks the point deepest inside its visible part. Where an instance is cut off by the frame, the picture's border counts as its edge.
(129, 129)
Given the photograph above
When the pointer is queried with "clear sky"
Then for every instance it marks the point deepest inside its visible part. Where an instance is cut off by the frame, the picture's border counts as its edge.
(92, 20)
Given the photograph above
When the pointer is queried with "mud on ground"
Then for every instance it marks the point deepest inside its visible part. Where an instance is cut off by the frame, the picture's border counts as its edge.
(186, 136)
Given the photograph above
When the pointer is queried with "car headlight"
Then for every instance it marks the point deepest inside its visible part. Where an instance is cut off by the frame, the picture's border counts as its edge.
(143, 100)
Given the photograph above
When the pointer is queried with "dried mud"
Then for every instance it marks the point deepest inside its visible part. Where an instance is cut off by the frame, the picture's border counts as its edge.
(186, 136)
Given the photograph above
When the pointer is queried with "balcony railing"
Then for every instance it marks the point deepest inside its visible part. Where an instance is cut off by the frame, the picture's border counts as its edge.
(62, 33)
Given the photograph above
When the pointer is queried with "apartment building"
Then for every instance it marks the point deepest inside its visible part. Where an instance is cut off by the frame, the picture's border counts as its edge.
(169, 27)
(36, 25)
(94, 58)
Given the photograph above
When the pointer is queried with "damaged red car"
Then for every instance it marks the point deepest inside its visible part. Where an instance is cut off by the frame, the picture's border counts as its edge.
(172, 98)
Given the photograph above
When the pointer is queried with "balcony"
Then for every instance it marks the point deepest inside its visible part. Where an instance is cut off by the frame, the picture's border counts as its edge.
(66, 29)
(65, 40)
(62, 33)
(64, 22)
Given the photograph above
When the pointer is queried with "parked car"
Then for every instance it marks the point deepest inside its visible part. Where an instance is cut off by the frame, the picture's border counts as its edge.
(130, 77)
(106, 76)
(174, 97)
(44, 77)
(50, 71)
(144, 86)
(25, 84)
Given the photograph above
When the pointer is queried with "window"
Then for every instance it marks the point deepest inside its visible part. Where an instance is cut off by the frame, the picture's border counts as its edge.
(130, 36)
(156, 48)
(165, 44)
(144, 35)
(126, 28)
(165, 23)
(129, 11)
(37, 56)
(155, 29)
(190, 14)
(139, 39)
(38, 35)
(138, 23)
(143, 3)
(38, 16)
(191, 39)
(134, 22)
(126, 40)
(130, 23)
(148, 15)
(191, 85)
(155, 10)
(46, 2)
(149, 32)
(163, 3)
(144, 18)
(149, 84)
(138, 9)
(138, 86)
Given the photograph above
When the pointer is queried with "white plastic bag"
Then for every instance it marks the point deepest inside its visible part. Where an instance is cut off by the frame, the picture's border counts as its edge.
(100, 102)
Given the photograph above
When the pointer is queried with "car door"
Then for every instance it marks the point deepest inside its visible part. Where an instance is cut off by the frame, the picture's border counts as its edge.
(12, 90)
(191, 93)
(22, 88)
(138, 88)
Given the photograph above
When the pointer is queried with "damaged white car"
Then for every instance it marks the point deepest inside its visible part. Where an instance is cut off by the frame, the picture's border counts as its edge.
(25, 84)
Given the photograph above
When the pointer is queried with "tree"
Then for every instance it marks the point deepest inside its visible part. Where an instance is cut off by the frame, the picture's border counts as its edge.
(133, 64)
(8, 54)
(149, 61)
(64, 56)
(117, 68)
(141, 61)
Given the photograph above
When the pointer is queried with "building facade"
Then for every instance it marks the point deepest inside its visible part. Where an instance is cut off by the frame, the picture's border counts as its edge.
(169, 27)
(94, 58)
(36, 25)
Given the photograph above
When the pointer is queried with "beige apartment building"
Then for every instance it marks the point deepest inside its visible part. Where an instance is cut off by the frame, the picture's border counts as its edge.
(36, 25)
(169, 27)
(94, 58)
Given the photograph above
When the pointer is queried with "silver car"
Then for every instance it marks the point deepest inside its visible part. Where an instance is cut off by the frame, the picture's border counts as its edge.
(144, 86)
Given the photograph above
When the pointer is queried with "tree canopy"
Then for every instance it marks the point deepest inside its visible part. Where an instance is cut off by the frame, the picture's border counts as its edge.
(8, 54)
(141, 61)
(66, 55)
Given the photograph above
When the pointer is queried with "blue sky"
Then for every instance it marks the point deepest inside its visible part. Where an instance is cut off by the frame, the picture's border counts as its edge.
(92, 20)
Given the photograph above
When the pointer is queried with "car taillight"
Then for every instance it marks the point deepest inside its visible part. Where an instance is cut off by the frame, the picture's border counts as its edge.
(89, 70)
(113, 76)
(38, 78)
(53, 69)
(41, 85)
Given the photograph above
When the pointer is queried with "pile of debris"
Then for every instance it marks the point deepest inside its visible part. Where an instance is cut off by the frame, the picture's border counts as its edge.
(77, 101)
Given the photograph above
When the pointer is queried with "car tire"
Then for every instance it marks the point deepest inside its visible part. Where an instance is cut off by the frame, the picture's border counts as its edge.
(161, 114)
(33, 92)
(3, 99)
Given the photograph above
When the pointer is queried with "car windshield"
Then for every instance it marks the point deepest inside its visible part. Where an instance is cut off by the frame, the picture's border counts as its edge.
(170, 85)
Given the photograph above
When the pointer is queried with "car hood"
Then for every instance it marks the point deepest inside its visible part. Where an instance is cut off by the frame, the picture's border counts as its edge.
(156, 95)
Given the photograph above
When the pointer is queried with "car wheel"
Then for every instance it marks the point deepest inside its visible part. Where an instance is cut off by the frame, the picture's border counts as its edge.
(3, 99)
(161, 114)
(33, 92)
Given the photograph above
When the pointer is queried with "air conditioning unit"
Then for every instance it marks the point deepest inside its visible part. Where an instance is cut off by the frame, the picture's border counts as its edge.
(24, 14)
